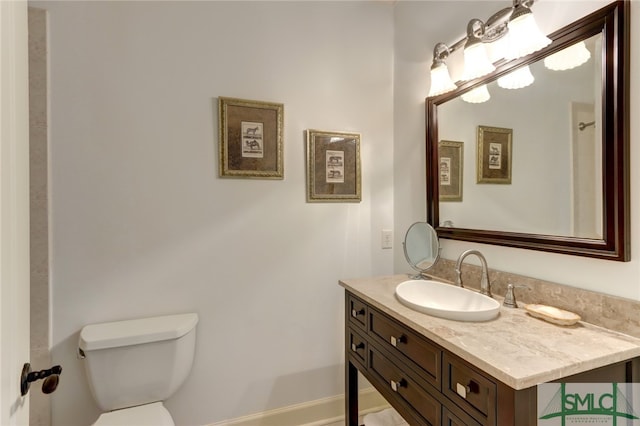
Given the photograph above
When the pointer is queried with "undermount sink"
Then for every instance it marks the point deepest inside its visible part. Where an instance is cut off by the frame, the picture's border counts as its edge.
(447, 301)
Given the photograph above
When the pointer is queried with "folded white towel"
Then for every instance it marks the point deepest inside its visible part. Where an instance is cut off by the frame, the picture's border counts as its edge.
(388, 417)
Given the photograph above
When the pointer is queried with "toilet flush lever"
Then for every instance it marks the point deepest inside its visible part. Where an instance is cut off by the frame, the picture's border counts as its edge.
(51, 378)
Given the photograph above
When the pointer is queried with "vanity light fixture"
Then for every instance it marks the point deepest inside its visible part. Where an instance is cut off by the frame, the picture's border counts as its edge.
(476, 58)
(566, 59)
(517, 79)
(441, 81)
(477, 96)
(510, 33)
(524, 35)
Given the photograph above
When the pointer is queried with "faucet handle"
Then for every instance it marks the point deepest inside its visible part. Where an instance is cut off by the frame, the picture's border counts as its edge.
(510, 297)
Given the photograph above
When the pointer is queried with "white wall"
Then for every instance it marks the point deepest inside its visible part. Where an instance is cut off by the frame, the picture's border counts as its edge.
(141, 224)
(539, 195)
(419, 26)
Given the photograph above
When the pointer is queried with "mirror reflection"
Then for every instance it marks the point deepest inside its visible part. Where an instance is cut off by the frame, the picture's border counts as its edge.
(421, 247)
(544, 196)
(548, 178)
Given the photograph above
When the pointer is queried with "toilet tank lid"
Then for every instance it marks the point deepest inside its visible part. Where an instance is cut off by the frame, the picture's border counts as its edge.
(136, 332)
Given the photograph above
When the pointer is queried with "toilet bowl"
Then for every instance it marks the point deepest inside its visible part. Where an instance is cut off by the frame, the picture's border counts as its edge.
(132, 366)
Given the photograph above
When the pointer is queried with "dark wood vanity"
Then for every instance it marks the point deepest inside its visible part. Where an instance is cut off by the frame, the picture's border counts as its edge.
(430, 385)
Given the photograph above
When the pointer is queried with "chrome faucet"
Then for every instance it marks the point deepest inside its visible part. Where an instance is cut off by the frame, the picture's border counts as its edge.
(485, 285)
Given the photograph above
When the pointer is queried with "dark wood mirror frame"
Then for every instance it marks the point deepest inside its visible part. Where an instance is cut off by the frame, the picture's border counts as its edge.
(612, 22)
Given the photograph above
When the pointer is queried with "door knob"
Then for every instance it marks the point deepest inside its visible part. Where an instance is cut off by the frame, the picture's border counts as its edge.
(51, 378)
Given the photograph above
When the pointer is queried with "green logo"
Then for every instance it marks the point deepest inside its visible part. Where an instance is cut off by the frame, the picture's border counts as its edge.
(587, 404)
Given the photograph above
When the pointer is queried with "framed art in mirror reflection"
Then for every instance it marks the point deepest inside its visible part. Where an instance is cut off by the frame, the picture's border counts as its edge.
(451, 170)
(494, 155)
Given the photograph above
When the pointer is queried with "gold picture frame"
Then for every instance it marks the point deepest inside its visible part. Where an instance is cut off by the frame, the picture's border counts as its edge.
(333, 166)
(451, 163)
(250, 139)
(494, 155)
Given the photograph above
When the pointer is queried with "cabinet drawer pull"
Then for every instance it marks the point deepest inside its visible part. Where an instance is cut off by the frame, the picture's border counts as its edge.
(397, 385)
(471, 387)
(355, 347)
(355, 313)
(395, 340)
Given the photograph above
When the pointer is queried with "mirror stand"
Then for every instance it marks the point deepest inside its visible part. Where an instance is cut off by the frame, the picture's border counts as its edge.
(421, 249)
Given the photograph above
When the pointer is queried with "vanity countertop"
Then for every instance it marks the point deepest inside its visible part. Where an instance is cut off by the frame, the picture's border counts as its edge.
(515, 348)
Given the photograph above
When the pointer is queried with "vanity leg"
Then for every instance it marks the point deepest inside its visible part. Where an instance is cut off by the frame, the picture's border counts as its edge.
(351, 394)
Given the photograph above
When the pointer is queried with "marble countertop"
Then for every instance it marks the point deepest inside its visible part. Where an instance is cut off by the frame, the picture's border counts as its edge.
(515, 348)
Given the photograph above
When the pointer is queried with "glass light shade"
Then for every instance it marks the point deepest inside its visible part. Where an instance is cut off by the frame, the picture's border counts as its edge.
(441, 81)
(517, 79)
(524, 37)
(571, 57)
(497, 49)
(477, 96)
(476, 62)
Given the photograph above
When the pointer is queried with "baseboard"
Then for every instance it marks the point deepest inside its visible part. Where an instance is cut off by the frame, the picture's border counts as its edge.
(313, 413)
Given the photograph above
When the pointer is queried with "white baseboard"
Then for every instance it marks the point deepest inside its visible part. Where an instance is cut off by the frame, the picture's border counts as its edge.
(313, 413)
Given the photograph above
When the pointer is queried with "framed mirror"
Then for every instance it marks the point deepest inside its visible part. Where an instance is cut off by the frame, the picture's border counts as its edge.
(546, 166)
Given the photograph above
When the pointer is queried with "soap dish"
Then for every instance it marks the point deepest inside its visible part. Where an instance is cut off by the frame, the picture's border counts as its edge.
(553, 315)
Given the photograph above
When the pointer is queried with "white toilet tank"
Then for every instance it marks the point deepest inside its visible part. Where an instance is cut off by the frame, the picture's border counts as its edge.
(139, 361)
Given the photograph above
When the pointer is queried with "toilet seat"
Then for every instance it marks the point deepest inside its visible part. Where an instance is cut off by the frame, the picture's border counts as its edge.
(154, 414)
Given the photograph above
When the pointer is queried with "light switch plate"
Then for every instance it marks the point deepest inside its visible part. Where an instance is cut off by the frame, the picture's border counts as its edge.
(387, 238)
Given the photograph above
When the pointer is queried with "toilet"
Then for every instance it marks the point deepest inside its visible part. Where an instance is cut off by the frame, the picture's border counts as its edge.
(133, 366)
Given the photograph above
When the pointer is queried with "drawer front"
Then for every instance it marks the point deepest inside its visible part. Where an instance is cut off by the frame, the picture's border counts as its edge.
(470, 390)
(450, 419)
(357, 346)
(399, 340)
(357, 311)
(404, 386)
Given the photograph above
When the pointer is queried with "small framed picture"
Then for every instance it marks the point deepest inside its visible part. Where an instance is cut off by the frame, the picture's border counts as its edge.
(450, 155)
(494, 155)
(250, 139)
(333, 166)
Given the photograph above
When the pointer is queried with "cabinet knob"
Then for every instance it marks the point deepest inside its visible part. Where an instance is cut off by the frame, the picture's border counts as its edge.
(471, 387)
(355, 347)
(400, 339)
(397, 385)
(355, 313)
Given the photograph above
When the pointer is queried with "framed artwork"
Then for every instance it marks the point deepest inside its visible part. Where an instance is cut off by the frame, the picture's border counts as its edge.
(450, 156)
(494, 155)
(250, 139)
(333, 167)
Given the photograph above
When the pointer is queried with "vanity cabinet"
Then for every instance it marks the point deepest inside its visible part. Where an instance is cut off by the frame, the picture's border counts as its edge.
(429, 385)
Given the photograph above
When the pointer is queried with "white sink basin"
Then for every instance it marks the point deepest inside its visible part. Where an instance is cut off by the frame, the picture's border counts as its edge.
(447, 301)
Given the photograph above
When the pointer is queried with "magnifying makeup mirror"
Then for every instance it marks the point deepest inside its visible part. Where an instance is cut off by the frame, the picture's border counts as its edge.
(421, 248)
